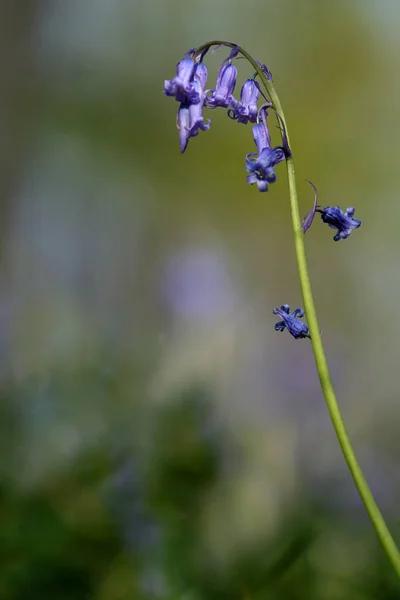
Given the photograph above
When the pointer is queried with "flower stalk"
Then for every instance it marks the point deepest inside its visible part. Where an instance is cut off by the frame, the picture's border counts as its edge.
(373, 510)
(244, 112)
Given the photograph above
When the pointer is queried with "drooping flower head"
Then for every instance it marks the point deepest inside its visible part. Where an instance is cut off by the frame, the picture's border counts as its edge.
(261, 166)
(291, 322)
(338, 219)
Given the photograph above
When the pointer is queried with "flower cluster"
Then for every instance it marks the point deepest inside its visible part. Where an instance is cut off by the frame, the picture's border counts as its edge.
(188, 87)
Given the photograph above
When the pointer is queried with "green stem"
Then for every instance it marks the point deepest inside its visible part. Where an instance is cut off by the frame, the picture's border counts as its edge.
(323, 369)
(319, 353)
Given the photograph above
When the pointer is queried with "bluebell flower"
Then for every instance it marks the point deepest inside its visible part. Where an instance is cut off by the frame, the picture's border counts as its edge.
(182, 85)
(196, 110)
(261, 166)
(337, 219)
(190, 115)
(291, 321)
(246, 110)
(225, 86)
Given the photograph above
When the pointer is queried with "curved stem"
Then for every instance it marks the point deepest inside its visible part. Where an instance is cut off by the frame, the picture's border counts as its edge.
(319, 353)
(323, 369)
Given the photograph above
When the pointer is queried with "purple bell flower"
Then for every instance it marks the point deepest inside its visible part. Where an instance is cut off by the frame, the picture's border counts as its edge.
(181, 86)
(225, 86)
(291, 321)
(190, 115)
(246, 110)
(337, 219)
(196, 114)
(261, 167)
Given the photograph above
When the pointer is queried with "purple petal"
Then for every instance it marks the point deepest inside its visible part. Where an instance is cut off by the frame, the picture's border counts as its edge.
(183, 124)
(263, 185)
(251, 178)
(201, 74)
(261, 137)
(196, 113)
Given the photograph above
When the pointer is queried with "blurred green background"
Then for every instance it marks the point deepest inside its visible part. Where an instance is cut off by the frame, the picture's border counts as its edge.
(158, 438)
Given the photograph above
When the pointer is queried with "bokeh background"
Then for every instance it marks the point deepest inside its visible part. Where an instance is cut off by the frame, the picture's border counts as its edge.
(158, 439)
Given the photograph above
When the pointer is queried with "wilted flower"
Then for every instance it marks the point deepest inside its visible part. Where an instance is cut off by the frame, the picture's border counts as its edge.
(337, 219)
(291, 321)
(246, 110)
(223, 93)
(261, 167)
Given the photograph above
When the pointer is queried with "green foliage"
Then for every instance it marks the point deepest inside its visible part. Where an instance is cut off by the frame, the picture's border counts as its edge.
(80, 534)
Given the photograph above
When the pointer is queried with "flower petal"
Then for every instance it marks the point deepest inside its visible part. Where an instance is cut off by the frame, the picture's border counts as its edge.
(261, 136)
(183, 124)
(280, 326)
